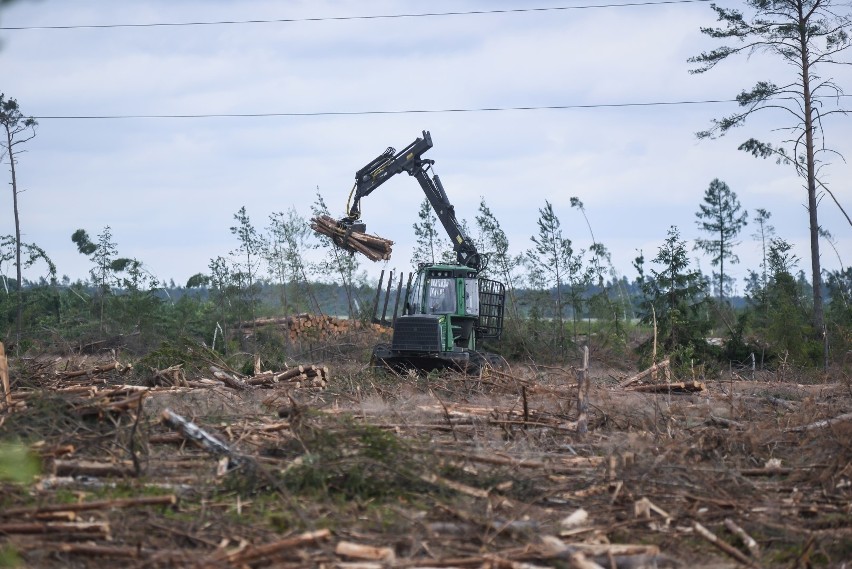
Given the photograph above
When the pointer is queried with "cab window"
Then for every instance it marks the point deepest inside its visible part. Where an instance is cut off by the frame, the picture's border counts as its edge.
(471, 297)
(442, 296)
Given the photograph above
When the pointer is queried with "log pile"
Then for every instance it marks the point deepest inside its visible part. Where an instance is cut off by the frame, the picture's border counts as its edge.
(299, 377)
(372, 247)
(313, 326)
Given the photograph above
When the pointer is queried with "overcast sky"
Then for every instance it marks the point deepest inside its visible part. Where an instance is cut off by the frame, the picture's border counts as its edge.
(169, 187)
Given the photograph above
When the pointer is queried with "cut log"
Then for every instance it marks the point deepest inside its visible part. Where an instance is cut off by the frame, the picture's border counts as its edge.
(92, 372)
(90, 468)
(93, 528)
(680, 386)
(168, 500)
(373, 247)
(359, 551)
(201, 437)
(228, 379)
(251, 554)
(289, 374)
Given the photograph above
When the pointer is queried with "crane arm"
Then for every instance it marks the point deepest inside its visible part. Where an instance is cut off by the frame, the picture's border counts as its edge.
(410, 160)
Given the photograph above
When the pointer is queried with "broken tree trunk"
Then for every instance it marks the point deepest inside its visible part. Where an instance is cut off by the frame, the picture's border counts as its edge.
(583, 394)
(201, 437)
(4, 375)
(653, 369)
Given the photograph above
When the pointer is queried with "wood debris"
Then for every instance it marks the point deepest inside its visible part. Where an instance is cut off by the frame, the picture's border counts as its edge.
(373, 247)
(201, 437)
(451, 472)
(4, 376)
(251, 554)
(724, 545)
(822, 424)
(302, 376)
(674, 387)
(645, 373)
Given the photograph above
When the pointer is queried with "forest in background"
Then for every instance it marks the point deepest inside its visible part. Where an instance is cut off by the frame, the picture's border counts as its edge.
(558, 298)
(559, 295)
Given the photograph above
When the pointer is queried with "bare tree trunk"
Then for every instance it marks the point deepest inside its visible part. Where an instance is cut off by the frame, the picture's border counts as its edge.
(816, 272)
(20, 311)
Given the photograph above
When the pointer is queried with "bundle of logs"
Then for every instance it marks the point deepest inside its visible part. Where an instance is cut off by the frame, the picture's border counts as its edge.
(313, 326)
(306, 377)
(374, 248)
(303, 376)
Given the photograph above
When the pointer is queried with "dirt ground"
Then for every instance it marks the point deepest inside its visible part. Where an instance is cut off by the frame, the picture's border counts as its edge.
(380, 470)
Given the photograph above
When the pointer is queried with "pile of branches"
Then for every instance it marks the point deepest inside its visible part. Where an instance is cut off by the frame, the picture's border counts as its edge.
(374, 248)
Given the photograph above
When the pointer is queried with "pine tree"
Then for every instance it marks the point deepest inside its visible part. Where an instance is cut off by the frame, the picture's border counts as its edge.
(720, 216)
(807, 35)
(429, 247)
(495, 246)
(106, 264)
(289, 239)
(674, 296)
(554, 264)
(249, 251)
(18, 130)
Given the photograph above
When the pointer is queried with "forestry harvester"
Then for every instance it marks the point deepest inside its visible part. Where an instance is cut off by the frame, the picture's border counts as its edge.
(450, 308)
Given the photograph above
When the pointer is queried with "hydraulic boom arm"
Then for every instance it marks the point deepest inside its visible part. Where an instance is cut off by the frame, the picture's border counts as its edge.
(410, 160)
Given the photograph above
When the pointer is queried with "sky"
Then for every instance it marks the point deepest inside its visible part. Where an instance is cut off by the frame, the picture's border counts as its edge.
(329, 87)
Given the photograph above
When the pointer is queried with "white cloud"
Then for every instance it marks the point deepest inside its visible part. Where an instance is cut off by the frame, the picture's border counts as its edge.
(169, 187)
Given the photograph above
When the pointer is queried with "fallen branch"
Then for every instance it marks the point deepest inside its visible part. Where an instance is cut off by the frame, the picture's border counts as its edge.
(653, 369)
(250, 554)
(750, 543)
(723, 545)
(201, 437)
(169, 500)
(100, 528)
(820, 424)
